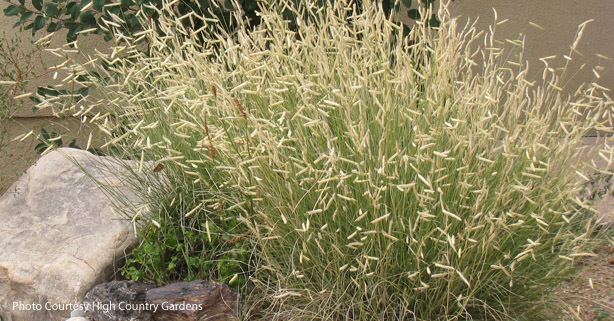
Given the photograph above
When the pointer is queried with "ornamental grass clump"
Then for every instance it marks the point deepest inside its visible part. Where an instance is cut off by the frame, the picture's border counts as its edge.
(376, 176)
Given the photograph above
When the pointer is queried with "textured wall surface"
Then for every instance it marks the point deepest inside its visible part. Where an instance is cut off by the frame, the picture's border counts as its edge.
(559, 20)
(42, 77)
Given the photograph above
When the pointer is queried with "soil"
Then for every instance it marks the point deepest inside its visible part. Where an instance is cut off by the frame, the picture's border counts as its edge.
(590, 297)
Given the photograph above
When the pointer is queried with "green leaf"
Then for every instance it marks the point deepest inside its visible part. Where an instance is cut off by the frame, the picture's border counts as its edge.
(74, 11)
(25, 15)
(35, 99)
(73, 144)
(12, 10)
(133, 21)
(434, 21)
(48, 91)
(99, 4)
(171, 266)
(45, 134)
(54, 26)
(83, 92)
(406, 30)
(38, 4)
(413, 14)
(116, 10)
(40, 148)
(72, 34)
(407, 3)
(81, 78)
(70, 5)
(39, 23)
(51, 9)
(88, 18)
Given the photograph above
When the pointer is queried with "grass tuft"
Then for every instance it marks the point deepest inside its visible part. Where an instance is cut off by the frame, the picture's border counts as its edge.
(373, 176)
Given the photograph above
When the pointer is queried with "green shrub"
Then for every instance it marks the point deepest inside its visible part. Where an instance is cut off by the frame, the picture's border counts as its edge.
(424, 179)
(104, 16)
(207, 245)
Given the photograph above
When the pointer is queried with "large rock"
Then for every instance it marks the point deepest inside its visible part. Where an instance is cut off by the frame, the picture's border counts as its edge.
(59, 235)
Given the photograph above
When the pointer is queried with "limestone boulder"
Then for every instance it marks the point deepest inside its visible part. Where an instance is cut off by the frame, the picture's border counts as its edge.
(59, 234)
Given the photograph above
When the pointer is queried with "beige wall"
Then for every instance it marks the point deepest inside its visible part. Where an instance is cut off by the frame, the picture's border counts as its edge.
(559, 18)
(42, 77)
(17, 156)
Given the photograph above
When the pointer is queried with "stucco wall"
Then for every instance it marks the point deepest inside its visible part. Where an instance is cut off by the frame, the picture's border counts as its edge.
(559, 19)
(42, 77)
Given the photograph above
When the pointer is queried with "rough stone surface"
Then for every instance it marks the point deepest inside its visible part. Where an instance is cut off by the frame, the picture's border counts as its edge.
(194, 301)
(58, 233)
(605, 207)
(183, 301)
(77, 313)
(113, 294)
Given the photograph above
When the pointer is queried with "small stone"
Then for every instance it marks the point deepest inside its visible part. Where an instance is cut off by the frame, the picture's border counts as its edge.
(115, 293)
(611, 260)
(193, 301)
(182, 301)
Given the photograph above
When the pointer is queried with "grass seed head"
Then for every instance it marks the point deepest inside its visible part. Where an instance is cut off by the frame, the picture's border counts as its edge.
(364, 158)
